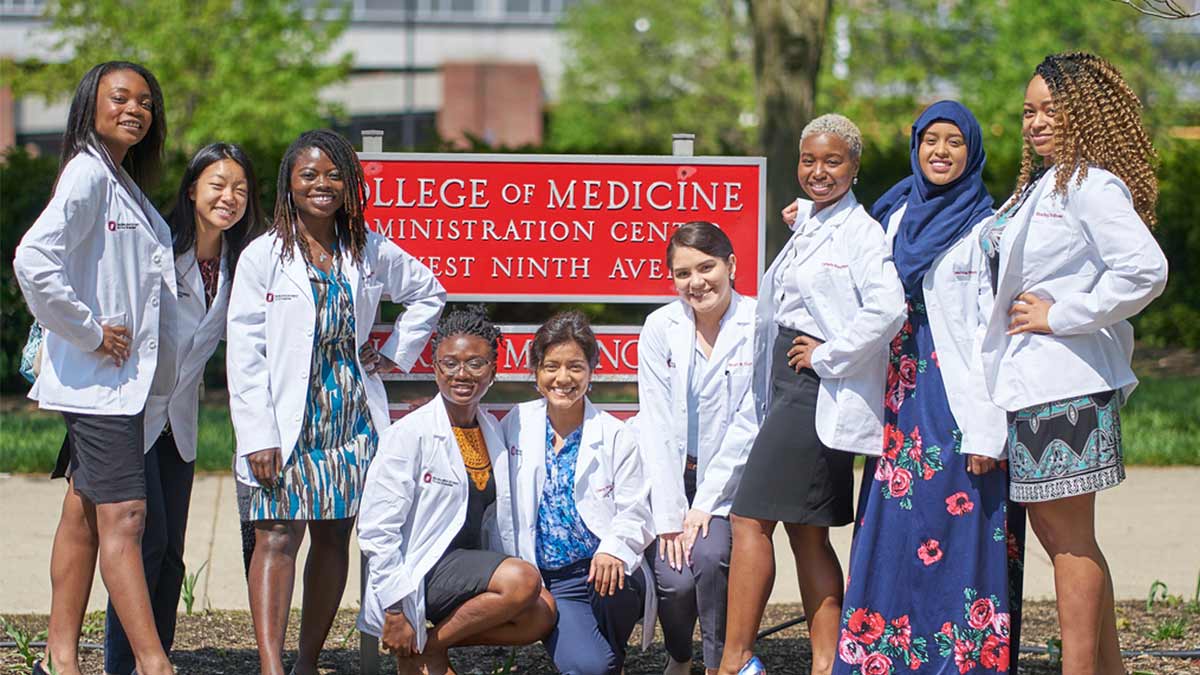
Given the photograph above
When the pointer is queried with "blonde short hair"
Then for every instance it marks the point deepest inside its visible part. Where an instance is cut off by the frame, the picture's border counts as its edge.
(838, 125)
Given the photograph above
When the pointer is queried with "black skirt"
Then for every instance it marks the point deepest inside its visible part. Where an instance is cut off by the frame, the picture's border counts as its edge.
(104, 457)
(791, 476)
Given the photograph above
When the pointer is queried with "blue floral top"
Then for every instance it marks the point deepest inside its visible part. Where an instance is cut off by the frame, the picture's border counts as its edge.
(562, 537)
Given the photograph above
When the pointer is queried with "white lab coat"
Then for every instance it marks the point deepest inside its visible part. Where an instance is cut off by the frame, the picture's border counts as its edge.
(95, 256)
(611, 489)
(1094, 257)
(665, 348)
(195, 330)
(958, 301)
(853, 293)
(414, 504)
(272, 316)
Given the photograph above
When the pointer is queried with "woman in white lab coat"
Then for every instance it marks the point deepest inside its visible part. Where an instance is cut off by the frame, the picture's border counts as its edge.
(696, 425)
(95, 269)
(581, 511)
(436, 513)
(306, 402)
(827, 307)
(934, 509)
(216, 213)
(1073, 260)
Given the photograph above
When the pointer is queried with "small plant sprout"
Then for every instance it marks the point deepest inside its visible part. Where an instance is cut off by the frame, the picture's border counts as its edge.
(1158, 592)
(23, 641)
(1170, 629)
(188, 592)
(509, 666)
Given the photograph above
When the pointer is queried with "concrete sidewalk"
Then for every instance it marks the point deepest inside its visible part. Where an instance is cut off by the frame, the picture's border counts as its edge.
(1148, 528)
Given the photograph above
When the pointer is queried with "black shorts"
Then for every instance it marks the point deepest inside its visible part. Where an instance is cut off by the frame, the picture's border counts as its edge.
(104, 457)
(458, 576)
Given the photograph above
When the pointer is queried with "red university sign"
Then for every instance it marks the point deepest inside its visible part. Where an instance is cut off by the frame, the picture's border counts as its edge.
(559, 227)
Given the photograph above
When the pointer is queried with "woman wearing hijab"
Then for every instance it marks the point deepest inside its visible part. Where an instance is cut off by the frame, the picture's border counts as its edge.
(933, 511)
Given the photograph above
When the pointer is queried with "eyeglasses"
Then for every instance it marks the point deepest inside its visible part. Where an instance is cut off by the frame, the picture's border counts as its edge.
(474, 367)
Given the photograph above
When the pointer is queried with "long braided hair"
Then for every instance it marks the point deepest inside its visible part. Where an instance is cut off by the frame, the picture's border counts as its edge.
(1101, 127)
(468, 320)
(351, 229)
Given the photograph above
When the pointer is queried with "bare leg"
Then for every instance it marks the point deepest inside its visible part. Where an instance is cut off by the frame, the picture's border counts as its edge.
(324, 581)
(272, 577)
(1066, 528)
(820, 577)
(533, 623)
(120, 527)
(72, 569)
(751, 577)
(514, 606)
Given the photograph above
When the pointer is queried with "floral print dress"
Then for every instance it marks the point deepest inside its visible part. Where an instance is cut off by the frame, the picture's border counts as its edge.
(935, 569)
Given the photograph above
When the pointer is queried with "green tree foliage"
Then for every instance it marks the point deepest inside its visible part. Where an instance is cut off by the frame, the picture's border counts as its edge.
(235, 71)
(886, 59)
(25, 183)
(639, 71)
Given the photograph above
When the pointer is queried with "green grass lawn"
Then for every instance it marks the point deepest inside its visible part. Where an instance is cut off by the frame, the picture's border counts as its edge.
(1161, 427)
(30, 440)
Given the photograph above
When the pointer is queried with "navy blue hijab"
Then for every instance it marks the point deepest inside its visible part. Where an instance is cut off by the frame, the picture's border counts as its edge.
(937, 216)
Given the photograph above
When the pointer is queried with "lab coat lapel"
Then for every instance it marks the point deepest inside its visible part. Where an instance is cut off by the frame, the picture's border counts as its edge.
(728, 339)
(590, 446)
(1012, 243)
(842, 211)
(221, 300)
(447, 441)
(296, 270)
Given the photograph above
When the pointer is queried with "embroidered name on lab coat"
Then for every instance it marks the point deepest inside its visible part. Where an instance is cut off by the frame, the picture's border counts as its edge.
(437, 480)
(114, 226)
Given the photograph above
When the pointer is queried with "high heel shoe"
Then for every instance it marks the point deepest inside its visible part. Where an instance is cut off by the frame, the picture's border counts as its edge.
(753, 667)
(38, 669)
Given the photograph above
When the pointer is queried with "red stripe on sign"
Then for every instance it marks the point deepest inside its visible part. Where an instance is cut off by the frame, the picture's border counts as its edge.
(621, 411)
(618, 354)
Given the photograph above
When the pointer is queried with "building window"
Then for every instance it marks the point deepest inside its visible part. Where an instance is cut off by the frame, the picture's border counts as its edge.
(22, 7)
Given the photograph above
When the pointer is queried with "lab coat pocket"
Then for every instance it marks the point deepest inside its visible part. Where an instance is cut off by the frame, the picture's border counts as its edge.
(364, 308)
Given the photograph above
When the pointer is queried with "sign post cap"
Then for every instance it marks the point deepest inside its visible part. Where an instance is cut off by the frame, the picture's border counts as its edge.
(372, 140)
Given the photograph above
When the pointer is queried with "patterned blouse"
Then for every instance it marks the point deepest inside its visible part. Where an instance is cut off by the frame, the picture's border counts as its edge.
(562, 537)
(209, 271)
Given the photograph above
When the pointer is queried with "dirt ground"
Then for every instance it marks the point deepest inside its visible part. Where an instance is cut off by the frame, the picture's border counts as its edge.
(222, 643)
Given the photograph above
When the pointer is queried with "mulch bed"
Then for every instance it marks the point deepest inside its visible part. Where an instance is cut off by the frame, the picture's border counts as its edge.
(222, 643)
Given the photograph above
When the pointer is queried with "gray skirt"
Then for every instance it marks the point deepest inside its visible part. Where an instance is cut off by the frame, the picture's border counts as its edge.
(791, 476)
(1065, 448)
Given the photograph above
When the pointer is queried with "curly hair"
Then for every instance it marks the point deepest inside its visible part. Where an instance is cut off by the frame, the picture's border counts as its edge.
(469, 320)
(1101, 126)
(840, 126)
(351, 230)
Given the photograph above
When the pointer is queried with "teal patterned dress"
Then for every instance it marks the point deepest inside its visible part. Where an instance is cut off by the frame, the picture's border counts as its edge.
(323, 479)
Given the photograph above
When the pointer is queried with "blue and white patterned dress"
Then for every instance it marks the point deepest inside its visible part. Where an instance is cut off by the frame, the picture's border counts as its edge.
(324, 477)
(562, 537)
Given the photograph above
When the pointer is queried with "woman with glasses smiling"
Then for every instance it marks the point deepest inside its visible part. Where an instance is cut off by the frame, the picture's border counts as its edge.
(581, 509)
(436, 512)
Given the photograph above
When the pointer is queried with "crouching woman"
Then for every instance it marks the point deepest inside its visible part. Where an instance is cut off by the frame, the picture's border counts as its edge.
(581, 504)
(436, 511)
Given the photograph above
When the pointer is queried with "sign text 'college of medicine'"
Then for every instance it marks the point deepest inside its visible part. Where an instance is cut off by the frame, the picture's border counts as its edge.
(561, 228)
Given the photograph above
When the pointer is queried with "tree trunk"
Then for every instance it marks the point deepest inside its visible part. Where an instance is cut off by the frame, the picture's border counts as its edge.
(788, 39)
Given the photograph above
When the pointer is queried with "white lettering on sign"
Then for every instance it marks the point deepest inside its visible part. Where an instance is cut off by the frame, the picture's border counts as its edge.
(633, 268)
(545, 267)
(453, 192)
(612, 195)
(470, 229)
